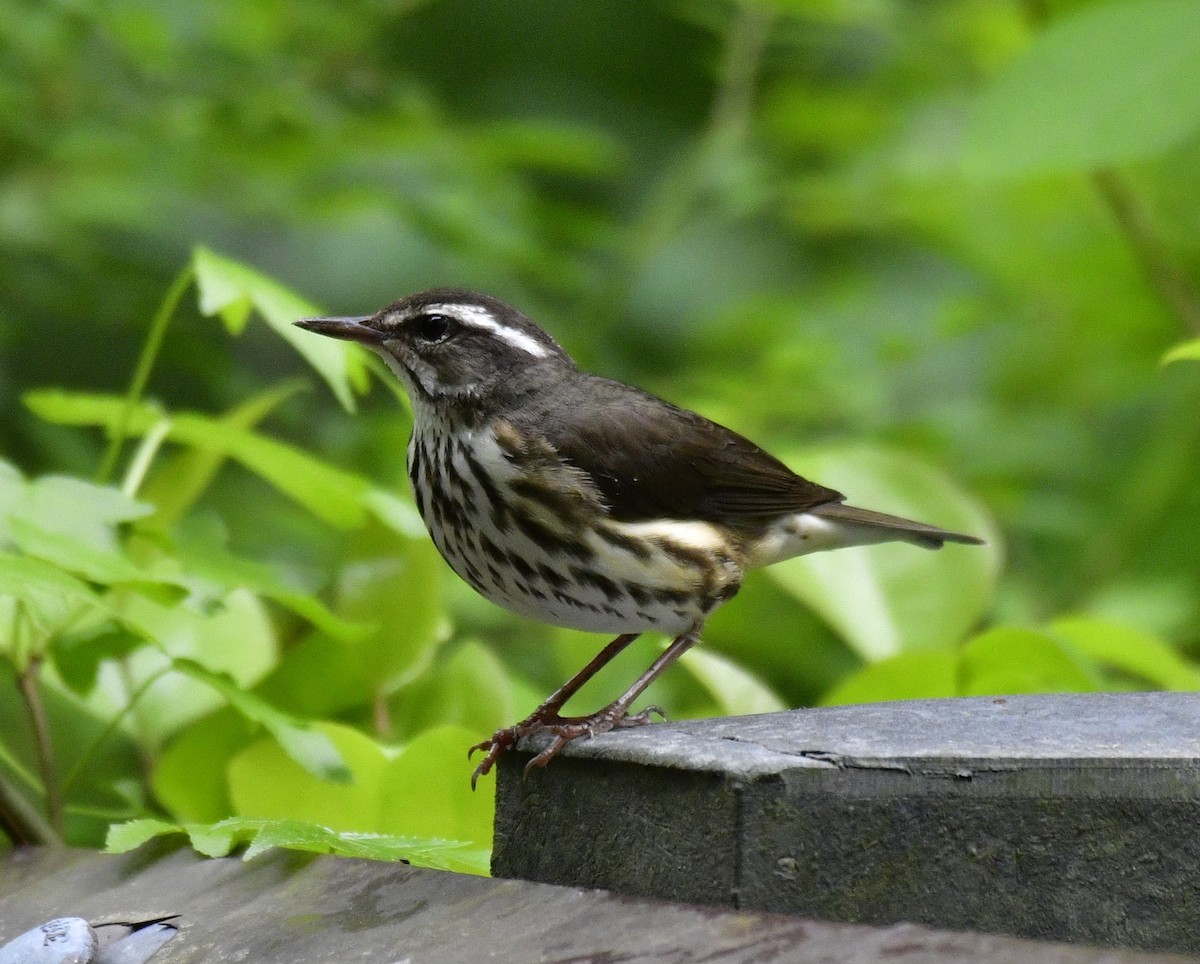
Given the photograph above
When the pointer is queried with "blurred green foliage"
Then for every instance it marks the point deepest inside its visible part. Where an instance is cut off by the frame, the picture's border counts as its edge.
(934, 255)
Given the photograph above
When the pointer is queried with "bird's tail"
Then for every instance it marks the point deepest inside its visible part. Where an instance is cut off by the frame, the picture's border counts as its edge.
(881, 527)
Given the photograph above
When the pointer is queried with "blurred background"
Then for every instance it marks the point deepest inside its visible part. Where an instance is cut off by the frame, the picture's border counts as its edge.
(932, 254)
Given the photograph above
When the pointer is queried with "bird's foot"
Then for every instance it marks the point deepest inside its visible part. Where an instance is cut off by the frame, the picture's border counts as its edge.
(564, 729)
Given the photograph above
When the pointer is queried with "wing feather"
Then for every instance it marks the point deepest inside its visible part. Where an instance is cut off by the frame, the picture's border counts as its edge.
(652, 460)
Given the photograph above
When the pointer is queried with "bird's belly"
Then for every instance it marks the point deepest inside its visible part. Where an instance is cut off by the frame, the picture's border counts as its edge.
(578, 569)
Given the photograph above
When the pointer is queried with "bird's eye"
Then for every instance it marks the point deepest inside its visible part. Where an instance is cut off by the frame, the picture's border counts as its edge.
(433, 328)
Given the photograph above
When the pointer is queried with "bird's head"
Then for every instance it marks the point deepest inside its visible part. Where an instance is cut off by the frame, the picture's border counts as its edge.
(450, 345)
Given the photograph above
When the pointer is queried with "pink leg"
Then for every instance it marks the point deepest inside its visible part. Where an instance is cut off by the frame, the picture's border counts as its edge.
(546, 714)
(613, 716)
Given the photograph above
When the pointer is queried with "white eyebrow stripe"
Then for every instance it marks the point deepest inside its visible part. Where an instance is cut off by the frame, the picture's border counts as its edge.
(476, 317)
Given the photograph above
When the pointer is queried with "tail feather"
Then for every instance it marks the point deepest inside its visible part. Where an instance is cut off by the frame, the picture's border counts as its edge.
(895, 527)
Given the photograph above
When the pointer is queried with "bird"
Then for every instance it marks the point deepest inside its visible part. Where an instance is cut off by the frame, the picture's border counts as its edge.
(580, 501)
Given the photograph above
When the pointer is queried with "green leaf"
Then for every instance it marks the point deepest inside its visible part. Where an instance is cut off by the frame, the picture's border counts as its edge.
(228, 634)
(73, 524)
(1010, 660)
(24, 577)
(178, 482)
(305, 743)
(1105, 85)
(202, 554)
(331, 494)
(230, 289)
(61, 407)
(471, 689)
(417, 793)
(107, 566)
(399, 515)
(12, 491)
(264, 781)
(1187, 351)
(123, 837)
(189, 776)
(734, 689)
(1130, 651)
(217, 840)
(78, 654)
(346, 684)
(426, 791)
(908, 676)
(393, 584)
(220, 838)
(49, 595)
(889, 598)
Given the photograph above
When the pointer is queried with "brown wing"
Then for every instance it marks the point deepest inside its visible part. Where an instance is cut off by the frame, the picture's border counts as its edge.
(652, 460)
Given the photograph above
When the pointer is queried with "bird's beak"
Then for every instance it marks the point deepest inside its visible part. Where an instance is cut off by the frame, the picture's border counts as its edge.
(350, 329)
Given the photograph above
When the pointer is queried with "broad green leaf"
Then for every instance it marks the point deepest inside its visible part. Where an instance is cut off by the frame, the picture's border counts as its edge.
(61, 407)
(331, 494)
(72, 523)
(426, 791)
(306, 744)
(221, 838)
(49, 597)
(472, 689)
(189, 776)
(889, 598)
(418, 792)
(1188, 351)
(12, 491)
(227, 634)
(179, 481)
(907, 676)
(79, 653)
(454, 855)
(123, 837)
(345, 683)
(399, 515)
(230, 289)
(393, 584)
(1130, 651)
(1010, 660)
(107, 566)
(735, 690)
(202, 554)
(266, 782)
(1104, 85)
(22, 576)
(89, 512)
(214, 841)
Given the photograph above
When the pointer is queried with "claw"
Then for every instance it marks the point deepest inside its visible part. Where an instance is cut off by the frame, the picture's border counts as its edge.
(642, 718)
(564, 730)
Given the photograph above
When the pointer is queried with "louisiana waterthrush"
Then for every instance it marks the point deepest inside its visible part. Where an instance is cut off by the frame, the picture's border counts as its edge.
(582, 502)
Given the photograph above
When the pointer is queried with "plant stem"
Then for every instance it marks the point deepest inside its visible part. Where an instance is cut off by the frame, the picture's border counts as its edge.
(144, 455)
(20, 820)
(141, 375)
(1165, 275)
(111, 726)
(28, 681)
(684, 180)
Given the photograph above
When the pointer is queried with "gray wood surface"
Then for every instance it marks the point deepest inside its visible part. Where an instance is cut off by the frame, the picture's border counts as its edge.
(303, 910)
(1069, 817)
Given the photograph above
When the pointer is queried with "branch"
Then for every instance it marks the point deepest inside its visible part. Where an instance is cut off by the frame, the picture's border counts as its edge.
(1165, 275)
(28, 681)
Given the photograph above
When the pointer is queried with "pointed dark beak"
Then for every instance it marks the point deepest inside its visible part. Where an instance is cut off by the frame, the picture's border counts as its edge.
(350, 329)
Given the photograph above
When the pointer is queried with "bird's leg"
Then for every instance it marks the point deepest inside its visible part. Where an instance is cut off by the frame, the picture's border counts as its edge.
(546, 714)
(616, 713)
